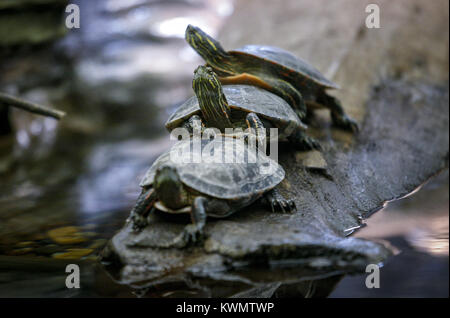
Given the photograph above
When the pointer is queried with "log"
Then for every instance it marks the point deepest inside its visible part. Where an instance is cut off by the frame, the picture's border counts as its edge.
(394, 82)
(13, 101)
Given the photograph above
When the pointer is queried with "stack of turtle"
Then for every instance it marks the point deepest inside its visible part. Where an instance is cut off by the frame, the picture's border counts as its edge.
(263, 87)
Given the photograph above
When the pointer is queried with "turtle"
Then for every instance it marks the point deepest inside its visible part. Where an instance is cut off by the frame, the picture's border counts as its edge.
(273, 69)
(236, 106)
(177, 184)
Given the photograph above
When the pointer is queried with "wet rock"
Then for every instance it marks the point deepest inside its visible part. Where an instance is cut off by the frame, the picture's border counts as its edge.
(73, 253)
(311, 160)
(67, 235)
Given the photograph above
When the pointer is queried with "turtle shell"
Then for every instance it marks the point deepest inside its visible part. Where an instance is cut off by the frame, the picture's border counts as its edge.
(288, 60)
(254, 173)
(246, 98)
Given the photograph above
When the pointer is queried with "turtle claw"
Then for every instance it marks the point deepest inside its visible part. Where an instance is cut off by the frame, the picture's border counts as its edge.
(138, 222)
(301, 114)
(279, 204)
(191, 235)
(347, 123)
(292, 205)
(353, 126)
(282, 205)
(272, 207)
(304, 142)
(314, 144)
(308, 143)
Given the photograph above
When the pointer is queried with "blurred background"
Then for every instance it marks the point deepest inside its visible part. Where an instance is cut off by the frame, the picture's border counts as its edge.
(66, 187)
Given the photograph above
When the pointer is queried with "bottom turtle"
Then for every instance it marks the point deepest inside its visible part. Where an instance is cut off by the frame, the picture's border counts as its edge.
(176, 183)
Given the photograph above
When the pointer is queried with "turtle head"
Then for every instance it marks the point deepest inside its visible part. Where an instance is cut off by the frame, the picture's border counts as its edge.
(208, 48)
(213, 103)
(169, 188)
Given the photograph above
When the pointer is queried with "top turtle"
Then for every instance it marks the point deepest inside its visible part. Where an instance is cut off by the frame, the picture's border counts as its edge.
(273, 69)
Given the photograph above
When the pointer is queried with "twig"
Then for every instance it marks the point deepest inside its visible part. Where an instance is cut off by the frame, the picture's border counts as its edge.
(31, 107)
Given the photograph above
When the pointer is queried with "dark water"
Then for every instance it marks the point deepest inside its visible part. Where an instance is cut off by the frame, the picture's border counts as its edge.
(418, 227)
(66, 187)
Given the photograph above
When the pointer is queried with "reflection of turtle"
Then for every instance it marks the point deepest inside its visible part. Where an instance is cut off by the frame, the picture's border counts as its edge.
(273, 69)
(234, 106)
(176, 184)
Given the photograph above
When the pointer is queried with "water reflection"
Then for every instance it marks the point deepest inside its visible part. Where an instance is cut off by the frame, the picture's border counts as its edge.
(422, 219)
(117, 168)
(418, 227)
(117, 77)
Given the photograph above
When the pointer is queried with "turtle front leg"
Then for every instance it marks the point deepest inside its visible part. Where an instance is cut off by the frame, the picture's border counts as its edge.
(303, 141)
(194, 123)
(193, 233)
(142, 209)
(340, 119)
(277, 202)
(256, 130)
(290, 94)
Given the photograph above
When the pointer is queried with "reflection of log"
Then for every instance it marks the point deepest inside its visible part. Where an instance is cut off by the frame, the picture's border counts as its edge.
(9, 100)
(394, 82)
